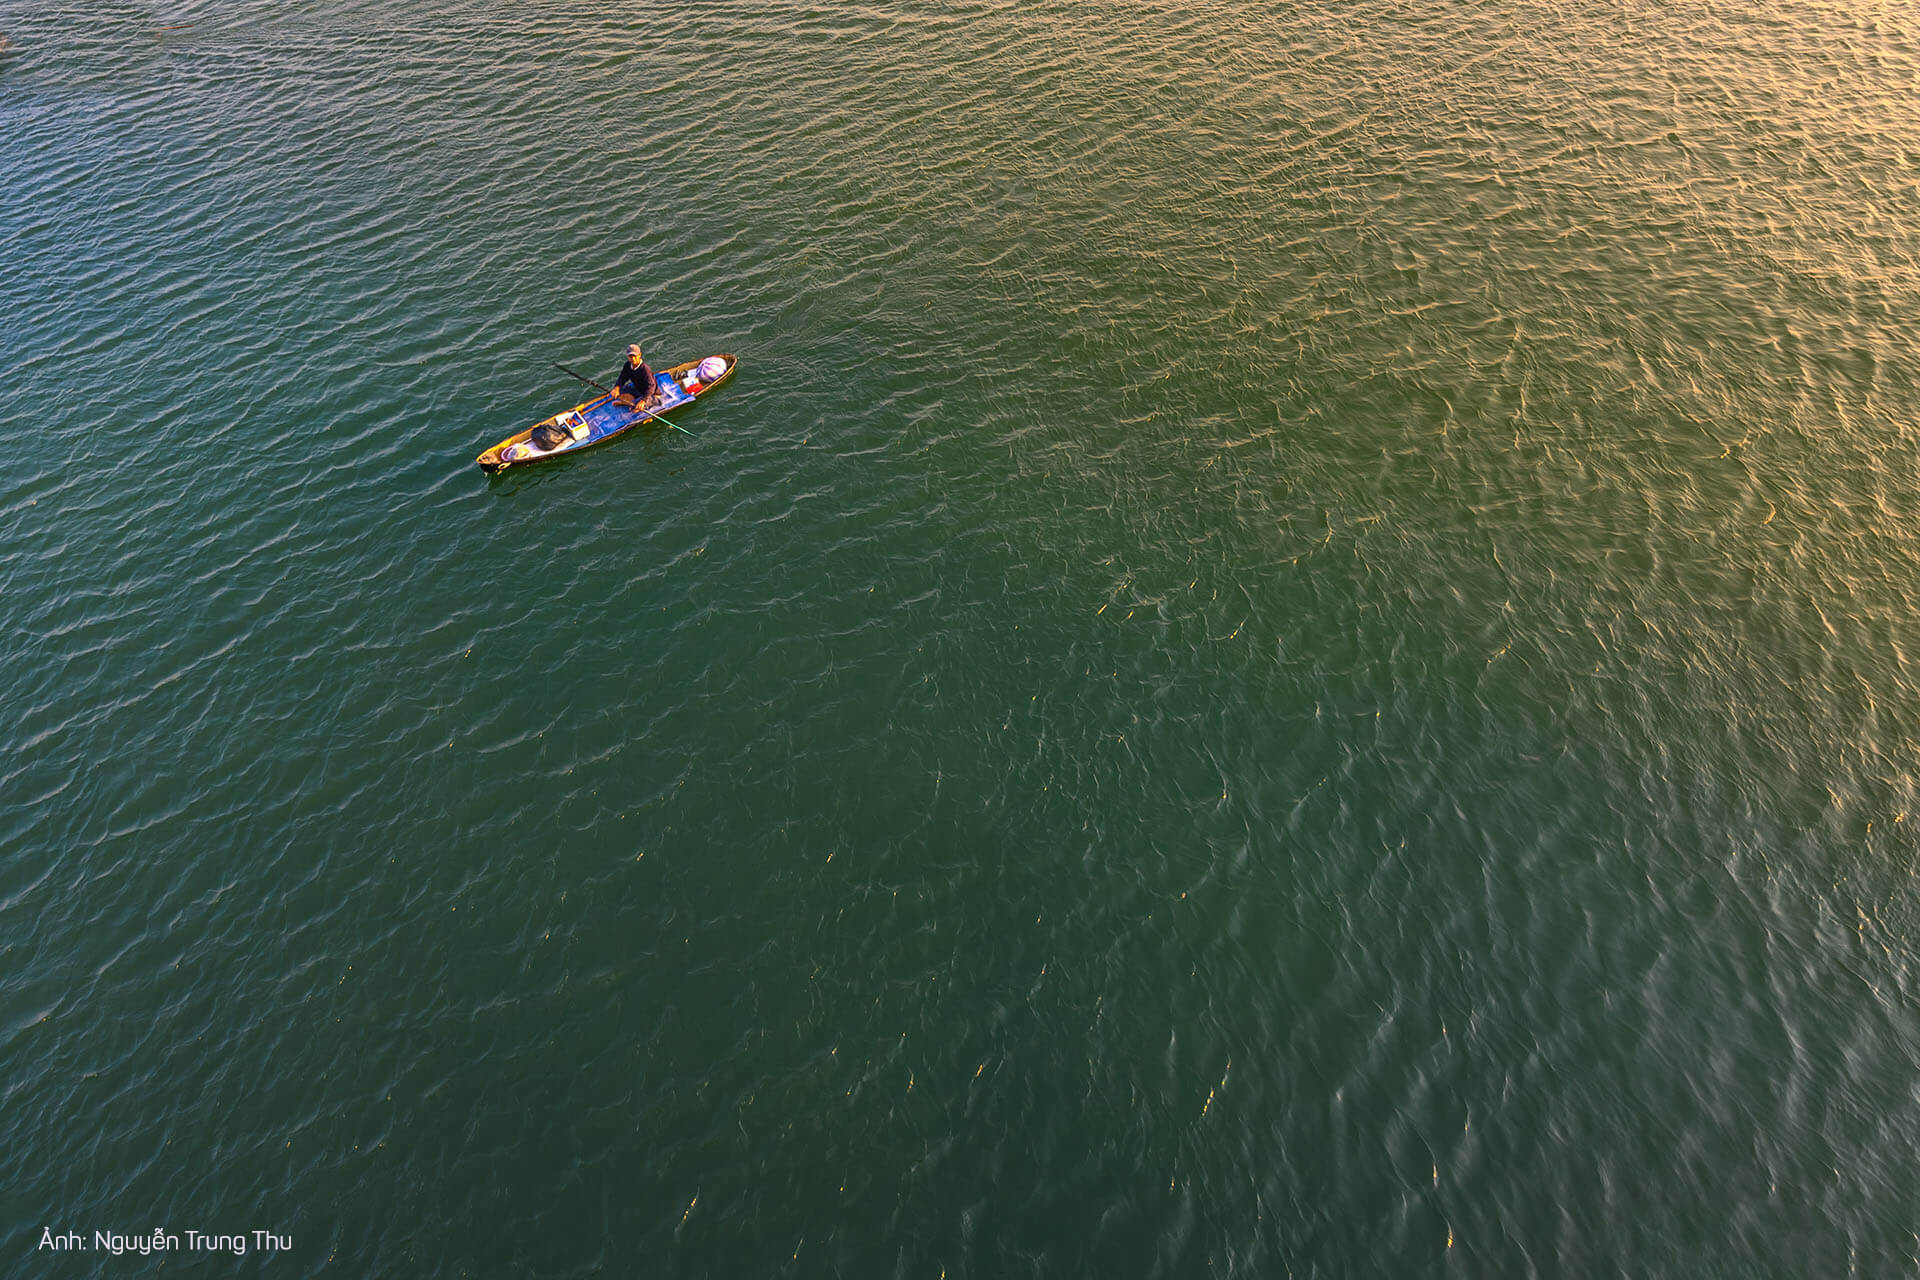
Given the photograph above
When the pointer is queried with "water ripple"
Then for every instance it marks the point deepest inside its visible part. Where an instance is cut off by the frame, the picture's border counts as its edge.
(1288, 651)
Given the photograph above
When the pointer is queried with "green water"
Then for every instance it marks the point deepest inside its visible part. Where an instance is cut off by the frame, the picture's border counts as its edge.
(1289, 654)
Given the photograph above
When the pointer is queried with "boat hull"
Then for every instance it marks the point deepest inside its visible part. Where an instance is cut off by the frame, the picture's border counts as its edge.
(598, 420)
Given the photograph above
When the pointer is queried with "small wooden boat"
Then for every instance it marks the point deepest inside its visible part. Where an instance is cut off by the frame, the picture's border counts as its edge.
(601, 419)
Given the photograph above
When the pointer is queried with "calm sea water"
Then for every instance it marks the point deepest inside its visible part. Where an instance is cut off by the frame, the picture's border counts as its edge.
(1293, 652)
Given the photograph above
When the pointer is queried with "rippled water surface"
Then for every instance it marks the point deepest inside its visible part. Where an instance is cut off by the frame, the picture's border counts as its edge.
(1292, 653)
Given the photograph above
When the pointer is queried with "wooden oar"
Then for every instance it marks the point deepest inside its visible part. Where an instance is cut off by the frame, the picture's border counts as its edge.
(636, 408)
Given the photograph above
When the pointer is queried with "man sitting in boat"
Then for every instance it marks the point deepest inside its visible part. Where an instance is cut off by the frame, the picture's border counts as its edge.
(636, 384)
